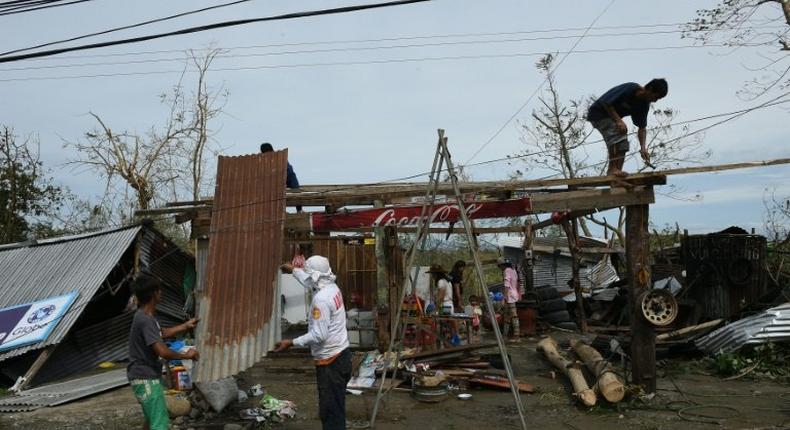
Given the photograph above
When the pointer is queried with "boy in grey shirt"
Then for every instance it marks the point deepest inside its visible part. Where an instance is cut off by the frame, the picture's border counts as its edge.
(146, 348)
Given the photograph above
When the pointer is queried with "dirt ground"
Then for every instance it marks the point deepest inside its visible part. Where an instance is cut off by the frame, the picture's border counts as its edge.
(747, 404)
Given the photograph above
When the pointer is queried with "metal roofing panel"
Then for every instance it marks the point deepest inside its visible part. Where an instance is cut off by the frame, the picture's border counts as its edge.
(63, 392)
(769, 326)
(58, 266)
(237, 307)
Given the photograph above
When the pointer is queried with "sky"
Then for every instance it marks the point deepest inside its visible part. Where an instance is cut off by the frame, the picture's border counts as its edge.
(358, 97)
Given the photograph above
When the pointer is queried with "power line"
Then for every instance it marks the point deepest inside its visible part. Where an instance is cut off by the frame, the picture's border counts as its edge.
(126, 27)
(43, 5)
(364, 62)
(325, 50)
(391, 39)
(542, 83)
(201, 28)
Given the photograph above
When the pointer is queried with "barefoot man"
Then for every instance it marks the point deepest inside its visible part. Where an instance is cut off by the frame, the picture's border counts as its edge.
(606, 115)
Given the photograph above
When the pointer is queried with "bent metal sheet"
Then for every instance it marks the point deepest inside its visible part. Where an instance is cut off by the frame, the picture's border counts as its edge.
(32, 322)
(409, 215)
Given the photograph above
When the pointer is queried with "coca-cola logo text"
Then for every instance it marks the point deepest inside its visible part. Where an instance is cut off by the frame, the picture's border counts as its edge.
(444, 213)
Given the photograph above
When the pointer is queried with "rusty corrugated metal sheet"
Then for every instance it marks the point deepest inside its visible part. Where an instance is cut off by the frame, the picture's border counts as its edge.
(239, 304)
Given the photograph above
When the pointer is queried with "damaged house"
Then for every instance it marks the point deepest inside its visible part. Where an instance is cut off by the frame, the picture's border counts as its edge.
(94, 270)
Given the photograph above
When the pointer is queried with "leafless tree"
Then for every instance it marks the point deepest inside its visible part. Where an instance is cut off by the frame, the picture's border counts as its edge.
(750, 23)
(558, 139)
(166, 162)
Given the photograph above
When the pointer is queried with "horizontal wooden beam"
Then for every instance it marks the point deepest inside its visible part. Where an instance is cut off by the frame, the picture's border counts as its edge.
(339, 195)
(580, 200)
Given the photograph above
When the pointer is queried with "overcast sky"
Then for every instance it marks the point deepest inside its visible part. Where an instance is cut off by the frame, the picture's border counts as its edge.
(351, 115)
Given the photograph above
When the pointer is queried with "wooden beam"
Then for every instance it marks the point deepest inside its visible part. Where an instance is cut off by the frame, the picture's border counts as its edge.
(591, 199)
(643, 336)
(340, 195)
(42, 358)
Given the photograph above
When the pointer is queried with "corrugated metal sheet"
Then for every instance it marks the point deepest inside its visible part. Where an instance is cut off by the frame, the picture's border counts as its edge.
(772, 325)
(239, 305)
(64, 392)
(84, 349)
(56, 267)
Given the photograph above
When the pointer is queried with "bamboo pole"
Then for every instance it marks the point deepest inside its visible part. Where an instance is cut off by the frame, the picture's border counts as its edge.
(609, 384)
(571, 369)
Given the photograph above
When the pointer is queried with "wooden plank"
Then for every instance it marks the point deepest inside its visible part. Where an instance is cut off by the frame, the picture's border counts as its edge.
(591, 199)
(364, 194)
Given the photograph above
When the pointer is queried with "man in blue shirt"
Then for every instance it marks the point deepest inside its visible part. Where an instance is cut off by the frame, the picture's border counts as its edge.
(606, 115)
(290, 181)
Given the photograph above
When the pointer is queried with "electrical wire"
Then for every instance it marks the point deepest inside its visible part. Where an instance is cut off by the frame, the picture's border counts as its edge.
(126, 27)
(217, 25)
(338, 49)
(542, 83)
(351, 63)
(386, 39)
(44, 5)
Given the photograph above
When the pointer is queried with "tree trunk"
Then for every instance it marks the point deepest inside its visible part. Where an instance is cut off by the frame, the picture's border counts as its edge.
(609, 384)
(571, 369)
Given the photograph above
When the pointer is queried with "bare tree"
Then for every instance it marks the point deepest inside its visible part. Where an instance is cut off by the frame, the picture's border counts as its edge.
(750, 23)
(558, 139)
(166, 162)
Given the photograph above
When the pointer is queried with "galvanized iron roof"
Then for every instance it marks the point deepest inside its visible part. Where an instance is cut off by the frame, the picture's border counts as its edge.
(237, 307)
(63, 392)
(772, 325)
(54, 267)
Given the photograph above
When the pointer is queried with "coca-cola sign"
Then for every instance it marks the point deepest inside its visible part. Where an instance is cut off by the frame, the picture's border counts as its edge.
(398, 216)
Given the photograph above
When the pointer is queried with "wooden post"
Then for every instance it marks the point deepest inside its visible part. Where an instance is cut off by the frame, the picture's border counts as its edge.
(382, 284)
(572, 232)
(42, 358)
(643, 337)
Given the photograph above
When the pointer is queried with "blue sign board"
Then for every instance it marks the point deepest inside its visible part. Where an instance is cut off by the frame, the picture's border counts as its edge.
(31, 323)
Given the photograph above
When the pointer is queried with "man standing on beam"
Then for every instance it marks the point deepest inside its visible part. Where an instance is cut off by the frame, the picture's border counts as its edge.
(606, 115)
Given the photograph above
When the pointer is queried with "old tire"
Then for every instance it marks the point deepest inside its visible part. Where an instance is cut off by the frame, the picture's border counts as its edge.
(567, 325)
(547, 293)
(553, 305)
(556, 317)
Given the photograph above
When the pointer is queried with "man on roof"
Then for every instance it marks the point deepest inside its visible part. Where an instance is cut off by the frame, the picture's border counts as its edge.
(606, 115)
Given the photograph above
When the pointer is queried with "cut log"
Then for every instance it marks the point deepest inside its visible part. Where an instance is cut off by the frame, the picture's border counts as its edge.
(609, 384)
(571, 369)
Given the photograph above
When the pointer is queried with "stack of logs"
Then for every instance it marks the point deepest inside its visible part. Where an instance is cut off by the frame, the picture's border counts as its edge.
(608, 383)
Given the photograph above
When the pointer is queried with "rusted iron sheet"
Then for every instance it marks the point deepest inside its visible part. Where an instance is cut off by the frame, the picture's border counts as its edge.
(409, 215)
(239, 305)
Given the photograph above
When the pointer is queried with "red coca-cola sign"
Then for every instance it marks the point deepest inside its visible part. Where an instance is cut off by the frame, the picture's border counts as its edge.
(409, 215)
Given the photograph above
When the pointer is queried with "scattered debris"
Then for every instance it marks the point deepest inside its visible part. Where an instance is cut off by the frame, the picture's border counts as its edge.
(772, 325)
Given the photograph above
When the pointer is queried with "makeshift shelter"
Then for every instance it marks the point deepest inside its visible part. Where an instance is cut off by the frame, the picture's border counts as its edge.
(96, 269)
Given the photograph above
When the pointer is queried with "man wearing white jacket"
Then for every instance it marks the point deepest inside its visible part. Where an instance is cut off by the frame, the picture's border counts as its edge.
(327, 338)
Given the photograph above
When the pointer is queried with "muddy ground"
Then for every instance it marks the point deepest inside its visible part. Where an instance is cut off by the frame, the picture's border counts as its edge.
(749, 404)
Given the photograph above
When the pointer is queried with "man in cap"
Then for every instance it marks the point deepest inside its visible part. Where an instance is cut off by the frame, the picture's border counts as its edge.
(327, 338)
(512, 295)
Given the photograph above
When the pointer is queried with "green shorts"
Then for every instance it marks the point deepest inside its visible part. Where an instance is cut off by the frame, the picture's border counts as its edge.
(151, 395)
